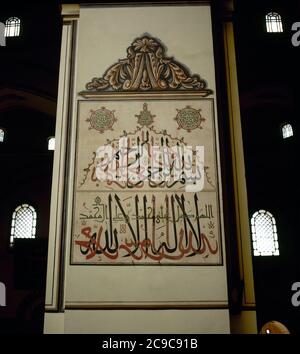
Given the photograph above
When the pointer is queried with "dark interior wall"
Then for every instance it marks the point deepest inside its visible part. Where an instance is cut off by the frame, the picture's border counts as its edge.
(26, 172)
(269, 97)
(29, 65)
(30, 61)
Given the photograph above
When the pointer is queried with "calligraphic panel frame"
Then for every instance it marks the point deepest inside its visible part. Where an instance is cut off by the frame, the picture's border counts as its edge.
(177, 102)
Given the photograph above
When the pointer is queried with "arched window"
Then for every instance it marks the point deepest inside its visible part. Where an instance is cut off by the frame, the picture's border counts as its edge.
(273, 22)
(2, 135)
(23, 223)
(51, 143)
(287, 131)
(264, 234)
(12, 27)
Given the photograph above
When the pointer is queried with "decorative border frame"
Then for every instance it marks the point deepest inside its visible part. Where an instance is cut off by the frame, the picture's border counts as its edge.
(165, 95)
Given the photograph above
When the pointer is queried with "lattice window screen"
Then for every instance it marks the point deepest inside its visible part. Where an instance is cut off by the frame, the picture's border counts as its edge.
(23, 224)
(273, 22)
(264, 234)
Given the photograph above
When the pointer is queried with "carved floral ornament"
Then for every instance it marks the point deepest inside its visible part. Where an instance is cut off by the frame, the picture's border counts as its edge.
(146, 68)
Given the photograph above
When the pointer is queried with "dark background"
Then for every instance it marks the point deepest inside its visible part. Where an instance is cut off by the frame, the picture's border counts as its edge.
(268, 72)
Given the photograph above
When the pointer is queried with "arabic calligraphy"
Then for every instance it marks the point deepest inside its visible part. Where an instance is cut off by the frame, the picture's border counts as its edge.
(133, 166)
(140, 228)
(156, 159)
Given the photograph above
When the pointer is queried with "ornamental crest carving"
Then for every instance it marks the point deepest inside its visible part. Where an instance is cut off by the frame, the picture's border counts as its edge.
(147, 68)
